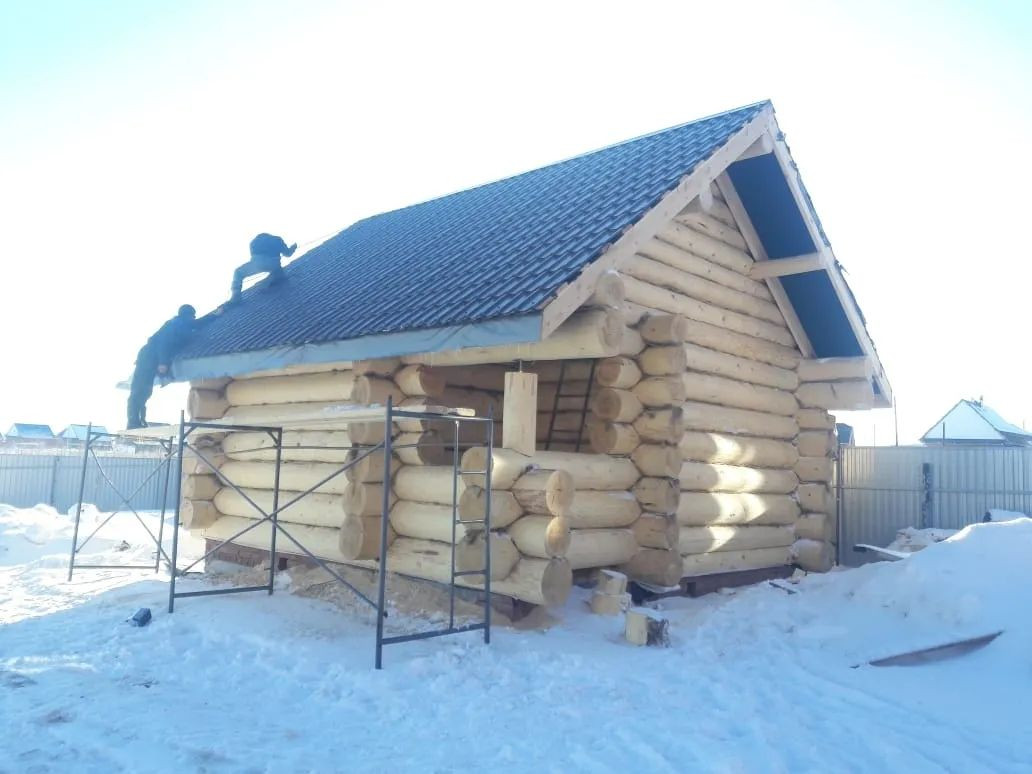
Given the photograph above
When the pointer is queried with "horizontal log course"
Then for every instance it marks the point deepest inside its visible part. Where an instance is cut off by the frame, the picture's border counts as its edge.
(471, 554)
(676, 303)
(331, 386)
(702, 540)
(416, 380)
(491, 376)
(813, 555)
(272, 415)
(302, 368)
(735, 561)
(481, 401)
(660, 391)
(706, 417)
(658, 495)
(697, 509)
(659, 460)
(815, 470)
(194, 465)
(429, 483)
(422, 448)
(608, 292)
(613, 405)
(381, 366)
(815, 419)
(702, 289)
(369, 433)
(543, 491)
(218, 384)
(721, 391)
(815, 498)
(593, 509)
(206, 404)
(663, 360)
(198, 514)
(613, 438)
(663, 329)
(741, 345)
(664, 425)
(834, 369)
(815, 526)
(429, 521)
(295, 476)
(589, 471)
(316, 510)
(659, 567)
(816, 443)
(376, 390)
(359, 536)
(588, 334)
(741, 369)
(540, 536)
(736, 479)
(712, 226)
(707, 247)
(298, 446)
(367, 466)
(674, 256)
(202, 487)
(857, 394)
(600, 547)
(504, 507)
(619, 372)
(323, 542)
(737, 450)
(654, 530)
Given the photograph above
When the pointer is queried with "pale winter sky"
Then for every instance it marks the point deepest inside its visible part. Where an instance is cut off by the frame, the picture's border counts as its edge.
(142, 145)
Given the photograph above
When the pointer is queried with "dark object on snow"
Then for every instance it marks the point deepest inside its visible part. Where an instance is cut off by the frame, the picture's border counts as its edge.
(266, 251)
(936, 653)
(155, 357)
(142, 617)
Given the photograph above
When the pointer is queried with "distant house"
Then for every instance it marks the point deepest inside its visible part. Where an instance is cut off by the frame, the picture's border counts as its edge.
(845, 434)
(22, 434)
(972, 423)
(75, 435)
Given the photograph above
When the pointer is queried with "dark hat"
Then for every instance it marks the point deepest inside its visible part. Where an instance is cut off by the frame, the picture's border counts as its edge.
(187, 311)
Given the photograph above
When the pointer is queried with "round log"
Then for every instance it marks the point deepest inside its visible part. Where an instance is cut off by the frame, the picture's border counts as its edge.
(815, 419)
(613, 438)
(600, 547)
(619, 372)
(660, 425)
(663, 360)
(414, 380)
(608, 292)
(544, 491)
(298, 446)
(375, 390)
(425, 448)
(703, 540)
(333, 386)
(200, 487)
(206, 404)
(737, 450)
(658, 460)
(273, 415)
(504, 507)
(816, 443)
(707, 388)
(480, 401)
(543, 537)
(664, 252)
(741, 345)
(659, 495)
(631, 344)
(323, 542)
(301, 368)
(360, 536)
(703, 508)
(197, 514)
(739, 368)
(815, 526)
(429, 484)
(471, 554)
(815, 498)
(615, 405)
(813, 555)
(707, 417)
(365, 499)
(193, 465)
(367, 466)
(317, 510)
(659, 567)
(663, 329)
(734, 561)
(383, 366)
(218, 384)
(295, 476)
(856, 394)
(654, 530)
(369, 433)
(815, 470)
(707, 247)
(660, 391)
(589, 471)
(429, 521)
(592, 509)
(710, 477)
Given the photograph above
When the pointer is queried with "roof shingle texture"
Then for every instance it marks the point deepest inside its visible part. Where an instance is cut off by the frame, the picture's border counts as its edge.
(498, 250)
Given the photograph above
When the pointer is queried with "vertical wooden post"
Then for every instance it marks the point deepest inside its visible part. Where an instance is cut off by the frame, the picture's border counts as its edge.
(519, 412)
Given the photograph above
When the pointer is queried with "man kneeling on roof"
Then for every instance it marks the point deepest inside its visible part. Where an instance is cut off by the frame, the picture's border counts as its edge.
(154, 360)
(266, 251)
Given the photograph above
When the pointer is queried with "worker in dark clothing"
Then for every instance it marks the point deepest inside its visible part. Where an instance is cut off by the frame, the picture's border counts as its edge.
(154, 359)
(266, 251)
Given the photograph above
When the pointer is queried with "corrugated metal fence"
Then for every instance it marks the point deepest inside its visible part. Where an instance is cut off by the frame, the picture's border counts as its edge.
(53, 479)
(883, 489)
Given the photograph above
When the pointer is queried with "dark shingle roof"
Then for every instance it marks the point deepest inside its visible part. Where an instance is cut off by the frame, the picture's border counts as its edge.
(498, 250)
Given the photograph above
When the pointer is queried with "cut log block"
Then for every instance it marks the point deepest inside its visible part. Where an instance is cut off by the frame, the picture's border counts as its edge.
(856, 394)
(200, 487)
(316, 510)
(609, 604)
(815, 498)
(645, 626)
(813, 555)
(631, 344)
(613, 438)
(659, 495)
(664, 252)
(206, 404)
(707, 417)
(218, 385)
(589, 471)
(660, 567)
(298, 446)
(720, 339)
(608, 292)
(663, 360)
(816, 443)
(815, 470)
(703, 508)
(364, 499)
(735, 561)
(544, 491)
(611, 582)
(614, 405)
(618, 372)
(737, 450)
(323, 542)
(541, 536)
(589, 334)
(660, 391)
(471, 554)
(660, 425)
(360, 536)
(519, 413)
(194, 465)
(710, 477)
(367, 466)
(739, 368)
(815, 526)
(331, 386)
(197, 514)
(656, 531)
(721, 391)
(417, 380)
(424, 448)
(375, 390)
(663, 329)
(600, 510)
(429, 521)
(600, 547)
(658, 460)
(504, 507)
(429, 484)
(703, 540)
(383, 366)
(815, 419)
(370, 433)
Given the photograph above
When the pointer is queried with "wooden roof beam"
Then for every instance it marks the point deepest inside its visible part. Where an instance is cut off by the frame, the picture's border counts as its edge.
(783, 267)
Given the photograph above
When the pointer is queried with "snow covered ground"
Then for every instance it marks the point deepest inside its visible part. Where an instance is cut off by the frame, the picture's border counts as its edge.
(758, 680)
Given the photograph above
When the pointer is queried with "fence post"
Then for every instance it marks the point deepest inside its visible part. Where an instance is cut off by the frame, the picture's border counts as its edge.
(926, 495)
(52, 494)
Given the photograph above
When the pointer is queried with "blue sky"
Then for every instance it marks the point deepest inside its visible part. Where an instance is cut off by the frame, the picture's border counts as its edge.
(143, 144)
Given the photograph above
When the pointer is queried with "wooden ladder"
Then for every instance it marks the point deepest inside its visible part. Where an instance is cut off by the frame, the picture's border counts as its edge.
(560, 393)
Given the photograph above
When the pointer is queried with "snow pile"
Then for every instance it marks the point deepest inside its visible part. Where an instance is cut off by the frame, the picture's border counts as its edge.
(910, 539)
(27, 534)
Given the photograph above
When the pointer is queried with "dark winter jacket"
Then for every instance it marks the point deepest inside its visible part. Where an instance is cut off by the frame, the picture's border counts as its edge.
(269, 244)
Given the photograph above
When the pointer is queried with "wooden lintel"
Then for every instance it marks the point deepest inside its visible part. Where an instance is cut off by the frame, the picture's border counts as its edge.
(782, 267)
(519, 412)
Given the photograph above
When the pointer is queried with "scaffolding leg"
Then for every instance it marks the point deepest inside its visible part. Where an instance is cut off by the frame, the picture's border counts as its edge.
(381, 591)
(275, 510)
(487, 524)
(164, 505)
(175, 521)
(78, 507)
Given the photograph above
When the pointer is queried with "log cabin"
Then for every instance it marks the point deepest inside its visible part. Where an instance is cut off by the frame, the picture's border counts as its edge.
(661, 328)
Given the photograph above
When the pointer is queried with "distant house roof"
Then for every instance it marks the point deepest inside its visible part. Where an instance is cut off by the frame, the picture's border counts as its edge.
(845, 434)
(78, 432)
(972, 421)
(482, 266)
(24, 430)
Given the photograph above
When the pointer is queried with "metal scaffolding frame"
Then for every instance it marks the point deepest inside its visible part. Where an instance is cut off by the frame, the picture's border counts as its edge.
(165, 464)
